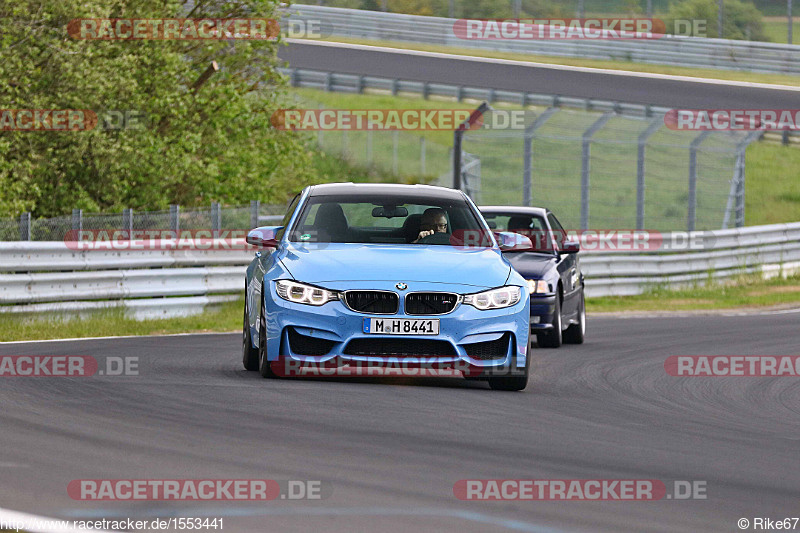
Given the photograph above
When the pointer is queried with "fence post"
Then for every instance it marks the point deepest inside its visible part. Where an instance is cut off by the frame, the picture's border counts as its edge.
(692, 209)
(328, 82)
(640, 168)
(127, 222)
(586, 155)
(175, 218)
(422, 154)
(360, 85)
(254, 205)
(742, 160)
(25, 227)
(395, 142)
(527, 171)
(527, 166)
(77, 221)
(216, 217)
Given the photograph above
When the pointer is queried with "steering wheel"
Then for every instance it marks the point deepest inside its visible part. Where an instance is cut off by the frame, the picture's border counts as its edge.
(436, 238)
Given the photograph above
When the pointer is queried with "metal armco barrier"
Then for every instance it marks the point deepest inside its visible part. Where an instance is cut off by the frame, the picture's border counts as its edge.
(752, 56)
(49, 277)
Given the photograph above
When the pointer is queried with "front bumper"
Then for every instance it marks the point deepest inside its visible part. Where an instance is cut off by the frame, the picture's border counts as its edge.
(542, 310)
(338, 325)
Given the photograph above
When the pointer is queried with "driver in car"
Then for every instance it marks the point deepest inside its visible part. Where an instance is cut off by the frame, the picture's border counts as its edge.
(433, 221)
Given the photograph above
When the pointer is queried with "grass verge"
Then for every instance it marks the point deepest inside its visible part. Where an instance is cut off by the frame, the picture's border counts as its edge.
(744, 292)
(225, 317)
(719, 74)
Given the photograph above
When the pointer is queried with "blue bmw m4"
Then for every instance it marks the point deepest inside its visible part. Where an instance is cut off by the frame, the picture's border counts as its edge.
(375, 273)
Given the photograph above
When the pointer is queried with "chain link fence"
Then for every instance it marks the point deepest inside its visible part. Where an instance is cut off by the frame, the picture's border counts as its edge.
(392, 153)
(605, 170)
(214, 217)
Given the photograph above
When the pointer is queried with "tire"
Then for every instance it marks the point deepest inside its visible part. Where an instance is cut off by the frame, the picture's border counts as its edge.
(553, 338)
(249, 354)
(264, 367)
(513, 383)
(575, 333)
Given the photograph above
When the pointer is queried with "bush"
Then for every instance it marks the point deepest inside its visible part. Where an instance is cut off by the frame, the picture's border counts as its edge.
(213, 143)
(742, 20)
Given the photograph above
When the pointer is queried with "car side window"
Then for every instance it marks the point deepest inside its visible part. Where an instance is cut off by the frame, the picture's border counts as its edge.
(554, 224)
(559, 235)
(287, 217)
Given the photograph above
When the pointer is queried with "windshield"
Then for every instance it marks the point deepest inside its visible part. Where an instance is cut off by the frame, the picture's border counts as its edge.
(530, 225)
(383, 219)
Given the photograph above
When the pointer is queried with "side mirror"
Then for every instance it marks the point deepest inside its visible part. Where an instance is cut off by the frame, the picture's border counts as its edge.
(263, 237)
(513, 242)
(570, 247)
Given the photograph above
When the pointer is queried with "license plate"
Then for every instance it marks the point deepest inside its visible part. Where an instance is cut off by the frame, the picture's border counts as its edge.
(401, 326)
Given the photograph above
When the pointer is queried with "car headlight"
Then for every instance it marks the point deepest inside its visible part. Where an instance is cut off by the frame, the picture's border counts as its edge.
(538, 286)
(494, 298)
(300, 293)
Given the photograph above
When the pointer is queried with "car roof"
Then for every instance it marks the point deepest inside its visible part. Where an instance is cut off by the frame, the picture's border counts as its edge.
(423, 191)
(514, 209)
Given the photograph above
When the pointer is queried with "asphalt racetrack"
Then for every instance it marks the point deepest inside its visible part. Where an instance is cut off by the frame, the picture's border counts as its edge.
(536, 78)
(391, 450)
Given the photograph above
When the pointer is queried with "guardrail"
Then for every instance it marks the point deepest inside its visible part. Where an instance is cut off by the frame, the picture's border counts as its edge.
(50, 277)
(762, 250)
(353, 83)
(752, 56)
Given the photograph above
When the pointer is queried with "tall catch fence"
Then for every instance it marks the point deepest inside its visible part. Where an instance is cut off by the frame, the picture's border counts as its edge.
(607, 170)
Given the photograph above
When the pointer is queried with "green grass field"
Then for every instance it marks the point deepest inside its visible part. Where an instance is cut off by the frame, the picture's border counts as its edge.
(773, 190)
(746, 292)
(223, 317)
(775, 28)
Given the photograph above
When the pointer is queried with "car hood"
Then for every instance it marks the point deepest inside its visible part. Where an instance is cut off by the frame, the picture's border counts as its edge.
(531, 265)
(481, 268)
